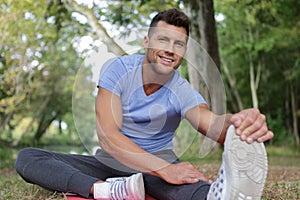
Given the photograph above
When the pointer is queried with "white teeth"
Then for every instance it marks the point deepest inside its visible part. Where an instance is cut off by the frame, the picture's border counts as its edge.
(166, 59)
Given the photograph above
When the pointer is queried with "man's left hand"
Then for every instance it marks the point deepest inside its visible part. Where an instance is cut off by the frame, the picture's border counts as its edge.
(251, 126)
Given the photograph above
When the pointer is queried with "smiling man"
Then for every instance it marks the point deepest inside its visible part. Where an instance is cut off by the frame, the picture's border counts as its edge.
(140, 102)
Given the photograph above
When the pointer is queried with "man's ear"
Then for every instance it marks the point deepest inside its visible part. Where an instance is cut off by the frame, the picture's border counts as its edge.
(146, 42)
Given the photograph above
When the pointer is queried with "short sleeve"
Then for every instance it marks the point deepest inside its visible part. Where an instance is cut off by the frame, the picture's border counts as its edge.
(191, 98)
(110, 74)
(187, 96)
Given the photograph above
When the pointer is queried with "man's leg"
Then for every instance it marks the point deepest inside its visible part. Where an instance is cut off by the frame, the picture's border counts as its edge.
(243, 171)
(61, 172)
(160, 189)
(242, 175)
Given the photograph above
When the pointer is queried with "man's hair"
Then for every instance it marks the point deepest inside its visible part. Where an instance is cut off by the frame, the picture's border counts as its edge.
(173, 17)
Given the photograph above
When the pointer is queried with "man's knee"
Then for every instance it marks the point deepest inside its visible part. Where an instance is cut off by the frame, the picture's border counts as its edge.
(25, 156)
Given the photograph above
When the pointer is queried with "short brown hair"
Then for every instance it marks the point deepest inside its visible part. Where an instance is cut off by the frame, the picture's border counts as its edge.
(173, 17)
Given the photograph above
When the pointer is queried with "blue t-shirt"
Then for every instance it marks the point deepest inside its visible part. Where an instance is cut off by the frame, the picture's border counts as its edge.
(150, 121)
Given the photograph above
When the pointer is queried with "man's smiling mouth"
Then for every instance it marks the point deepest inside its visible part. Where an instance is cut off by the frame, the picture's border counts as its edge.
(168, 60)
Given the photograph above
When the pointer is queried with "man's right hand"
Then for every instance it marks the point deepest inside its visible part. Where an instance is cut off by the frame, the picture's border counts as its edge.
(182, 173)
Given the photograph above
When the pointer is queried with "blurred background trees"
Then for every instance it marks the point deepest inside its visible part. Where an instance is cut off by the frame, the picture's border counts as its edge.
(256, 48)
(259, 45)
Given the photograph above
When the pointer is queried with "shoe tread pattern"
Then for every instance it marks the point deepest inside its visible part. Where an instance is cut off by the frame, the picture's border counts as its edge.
(249, 167)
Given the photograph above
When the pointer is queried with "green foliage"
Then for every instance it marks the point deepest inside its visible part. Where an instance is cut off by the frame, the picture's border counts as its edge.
(124, 15)
(265, 34)
(38, 67)
(276, 123)
(38, 62)
(6, 156)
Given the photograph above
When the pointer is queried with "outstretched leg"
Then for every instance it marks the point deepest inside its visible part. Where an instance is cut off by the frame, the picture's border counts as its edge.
(243, 171)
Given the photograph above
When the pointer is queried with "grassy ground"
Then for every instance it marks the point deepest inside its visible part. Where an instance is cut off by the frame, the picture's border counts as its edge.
(283, 181)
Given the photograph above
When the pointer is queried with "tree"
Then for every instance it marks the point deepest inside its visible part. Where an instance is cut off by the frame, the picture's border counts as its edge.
(38, 64)
(258, 42)
(204, 66)
(203, 31)
(16, 48)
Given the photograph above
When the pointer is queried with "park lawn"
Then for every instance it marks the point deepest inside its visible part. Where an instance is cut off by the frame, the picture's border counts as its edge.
(283, 181)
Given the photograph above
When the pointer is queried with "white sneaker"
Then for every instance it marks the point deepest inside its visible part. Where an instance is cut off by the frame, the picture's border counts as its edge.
(121, 188)
(243, 171)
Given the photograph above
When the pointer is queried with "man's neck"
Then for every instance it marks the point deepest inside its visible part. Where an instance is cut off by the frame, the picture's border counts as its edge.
(150, 75)
(153, 81)
(151, 88)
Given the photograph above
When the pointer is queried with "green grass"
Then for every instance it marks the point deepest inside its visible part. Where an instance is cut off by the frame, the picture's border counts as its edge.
(283, 180)
(13, 187)
(283, 156)
(282, 190)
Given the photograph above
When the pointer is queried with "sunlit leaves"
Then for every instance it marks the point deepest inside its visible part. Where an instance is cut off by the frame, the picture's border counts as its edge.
(38, 62)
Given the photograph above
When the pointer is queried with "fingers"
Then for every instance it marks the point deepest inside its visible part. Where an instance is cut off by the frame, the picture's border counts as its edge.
(250, 119)
(266, 137)
(194, 175)
(254, 131)
(253, 122)
(190, 180)
(251, 126)
(186, 173)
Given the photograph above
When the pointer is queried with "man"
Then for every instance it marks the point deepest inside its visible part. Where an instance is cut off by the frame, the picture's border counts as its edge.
(140, 103)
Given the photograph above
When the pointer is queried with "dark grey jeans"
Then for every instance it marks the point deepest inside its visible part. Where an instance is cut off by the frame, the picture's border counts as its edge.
(77, 173)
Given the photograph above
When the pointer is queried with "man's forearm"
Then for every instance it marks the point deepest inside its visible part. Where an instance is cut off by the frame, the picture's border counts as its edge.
(130, 154)
(218, 127)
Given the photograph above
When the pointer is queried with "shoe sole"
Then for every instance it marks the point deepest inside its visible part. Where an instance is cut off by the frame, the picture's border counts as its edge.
(248, 167)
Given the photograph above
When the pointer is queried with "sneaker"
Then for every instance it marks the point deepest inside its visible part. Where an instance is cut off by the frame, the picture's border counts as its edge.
(243, 171)
(122, 188)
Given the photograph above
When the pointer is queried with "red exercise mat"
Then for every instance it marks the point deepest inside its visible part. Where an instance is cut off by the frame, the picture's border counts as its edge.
(73, 197)
(76, 198)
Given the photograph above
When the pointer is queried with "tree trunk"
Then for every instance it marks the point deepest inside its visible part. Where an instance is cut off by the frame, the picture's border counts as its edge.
(252, 82)
(287, 114)
(44, 123)
(232, 83)
(204, 60)
(204, 76)
(254, 75)
(5, 120)
(295, 116)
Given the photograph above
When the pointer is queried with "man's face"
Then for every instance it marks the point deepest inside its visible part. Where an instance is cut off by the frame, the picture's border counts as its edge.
(165, 47)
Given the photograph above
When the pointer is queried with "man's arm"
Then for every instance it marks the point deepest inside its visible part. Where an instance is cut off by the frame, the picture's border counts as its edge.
(250, 124)
(108, 122)
(209, 124)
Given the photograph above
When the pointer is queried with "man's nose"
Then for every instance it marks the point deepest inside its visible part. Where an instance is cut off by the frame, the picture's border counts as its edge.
(169, 48)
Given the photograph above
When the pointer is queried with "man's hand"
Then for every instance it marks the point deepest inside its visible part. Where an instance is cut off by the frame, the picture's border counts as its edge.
(251, 126)
(182, 173)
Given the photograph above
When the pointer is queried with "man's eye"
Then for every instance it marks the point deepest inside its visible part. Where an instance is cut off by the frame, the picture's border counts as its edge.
(162, 39)
(179, 44)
